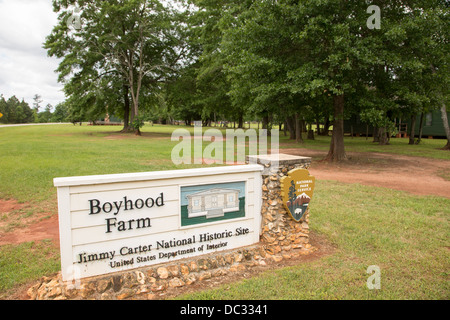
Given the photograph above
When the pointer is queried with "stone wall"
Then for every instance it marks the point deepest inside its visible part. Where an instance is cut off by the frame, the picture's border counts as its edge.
(281, 238)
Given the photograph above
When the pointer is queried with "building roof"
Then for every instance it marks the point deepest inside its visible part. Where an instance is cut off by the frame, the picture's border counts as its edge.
(212, 191)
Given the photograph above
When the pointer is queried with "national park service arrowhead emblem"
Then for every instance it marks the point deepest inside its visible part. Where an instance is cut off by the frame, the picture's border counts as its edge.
(297, 189)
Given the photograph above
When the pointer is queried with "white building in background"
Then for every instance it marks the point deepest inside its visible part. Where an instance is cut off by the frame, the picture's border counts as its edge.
(212, 203)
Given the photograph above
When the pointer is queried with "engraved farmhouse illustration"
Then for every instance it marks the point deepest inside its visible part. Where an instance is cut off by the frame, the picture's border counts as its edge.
(213, 202)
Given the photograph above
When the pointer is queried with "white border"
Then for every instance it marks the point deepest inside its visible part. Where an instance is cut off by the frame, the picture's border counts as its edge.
(64, 200)
(156, 175)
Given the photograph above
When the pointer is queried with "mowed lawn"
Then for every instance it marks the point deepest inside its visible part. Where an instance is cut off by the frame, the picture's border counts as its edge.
(407, 236)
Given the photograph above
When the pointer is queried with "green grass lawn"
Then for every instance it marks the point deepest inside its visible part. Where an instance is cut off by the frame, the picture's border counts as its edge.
(32, 156)
(405, 235)
(429, 148)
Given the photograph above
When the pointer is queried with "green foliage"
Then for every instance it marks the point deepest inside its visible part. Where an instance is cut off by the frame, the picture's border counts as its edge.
(61, 113)
(270, 60)
(182, 95)
(15, 111)
(138, 123)
(378, 119)
(118, 56)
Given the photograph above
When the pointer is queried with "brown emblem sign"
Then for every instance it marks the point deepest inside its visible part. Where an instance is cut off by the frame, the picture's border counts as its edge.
(297, 189)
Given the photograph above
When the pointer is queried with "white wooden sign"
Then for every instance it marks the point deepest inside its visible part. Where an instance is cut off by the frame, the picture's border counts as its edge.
(112, 223)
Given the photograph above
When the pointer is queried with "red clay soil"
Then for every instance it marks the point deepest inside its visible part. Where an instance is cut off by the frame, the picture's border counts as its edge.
(420, 176)
(416, 175)
(36, 227)
(45, 229)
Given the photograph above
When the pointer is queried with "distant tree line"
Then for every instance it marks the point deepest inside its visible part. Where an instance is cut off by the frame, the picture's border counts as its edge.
(288, 63)
(15, 111)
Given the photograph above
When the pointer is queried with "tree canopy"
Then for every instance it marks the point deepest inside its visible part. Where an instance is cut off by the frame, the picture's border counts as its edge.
(282, 61)
(117, 56)
(15, 111)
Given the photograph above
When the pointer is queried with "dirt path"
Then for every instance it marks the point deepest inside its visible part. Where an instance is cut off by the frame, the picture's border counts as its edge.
(420, 176)
(416, 175)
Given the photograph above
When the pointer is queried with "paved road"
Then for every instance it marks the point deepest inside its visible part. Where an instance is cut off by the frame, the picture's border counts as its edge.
(30, 124)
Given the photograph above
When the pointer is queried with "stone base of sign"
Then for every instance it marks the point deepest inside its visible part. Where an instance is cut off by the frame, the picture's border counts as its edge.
(280, 235)
(153, 282)
(281, 238)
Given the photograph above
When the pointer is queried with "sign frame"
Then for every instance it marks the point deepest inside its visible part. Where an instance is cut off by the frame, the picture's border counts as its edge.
(73, 210)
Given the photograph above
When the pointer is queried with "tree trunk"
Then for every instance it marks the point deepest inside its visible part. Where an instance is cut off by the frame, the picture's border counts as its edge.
(310, 132)
(326, 126)
(265, 122)
(376, 134)
(298, 129)
(134, 116)
(420, 128)
(337, 150)
(290, 123)
(126, 110)
(241, 121)
(446, 126)
(137, 131)
(412, 132)
(384, 137)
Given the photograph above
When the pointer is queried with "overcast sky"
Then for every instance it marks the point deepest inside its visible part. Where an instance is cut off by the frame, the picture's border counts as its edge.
(25, 68)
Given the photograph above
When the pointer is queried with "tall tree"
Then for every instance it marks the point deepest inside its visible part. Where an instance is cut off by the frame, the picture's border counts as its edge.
(285, 54)
(212, 86)
(259, 57)
(436, 19)
(3, 109)
(15, 111)
(37, 102)
(444, 116)
(412, 40)
(130, 44)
